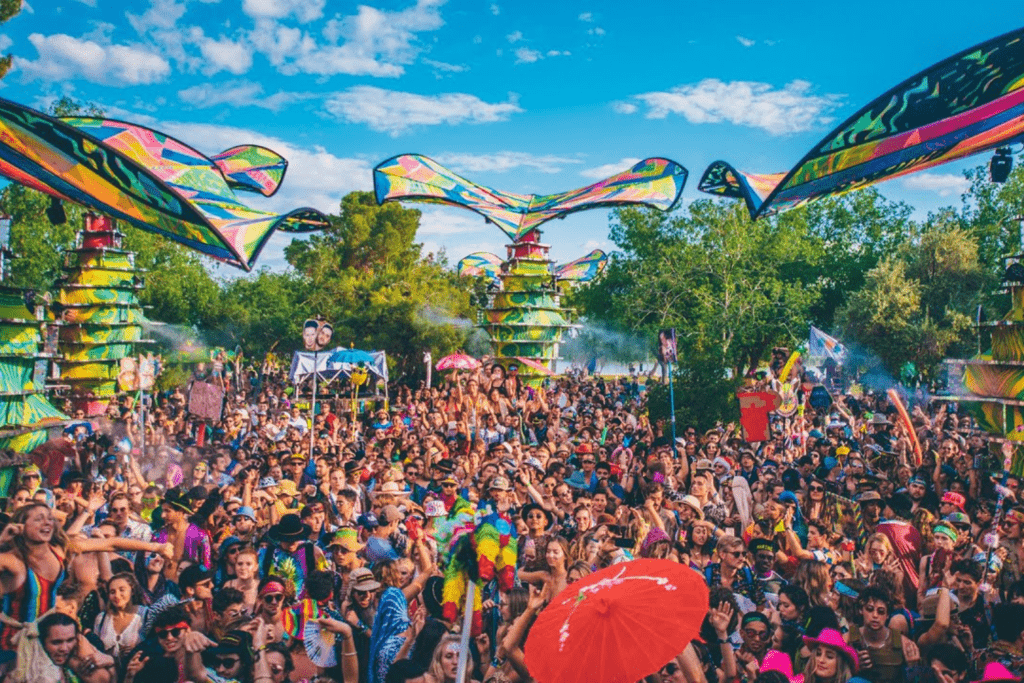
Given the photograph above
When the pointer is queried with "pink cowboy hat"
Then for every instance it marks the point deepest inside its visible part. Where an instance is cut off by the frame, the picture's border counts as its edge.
(780, 661)
(829, 637)
(994, 671)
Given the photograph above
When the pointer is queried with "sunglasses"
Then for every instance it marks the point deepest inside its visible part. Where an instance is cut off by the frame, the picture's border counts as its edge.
(360, 594)
(449, 486)
(817, 488)
(670, 669)
(756, 633)
(225, 662)
(170, 633)
(272, 599)
(735, 553)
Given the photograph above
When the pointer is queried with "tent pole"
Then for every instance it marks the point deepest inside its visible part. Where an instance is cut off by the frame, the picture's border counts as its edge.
(312, 405)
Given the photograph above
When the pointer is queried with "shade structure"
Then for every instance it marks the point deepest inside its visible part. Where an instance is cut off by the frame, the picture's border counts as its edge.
(457, 361)
(149, 179)
(583, 269)
(617, 625)
(966, 104)
(480, 264)
(654, 182)
(535, 365)
(350, 356)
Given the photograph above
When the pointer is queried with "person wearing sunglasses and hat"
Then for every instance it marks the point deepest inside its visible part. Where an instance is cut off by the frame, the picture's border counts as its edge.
(190, 542)
(290, 554)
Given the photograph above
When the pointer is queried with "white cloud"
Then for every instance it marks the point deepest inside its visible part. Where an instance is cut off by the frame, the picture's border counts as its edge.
(745, 42)
(514, 37)
(441, 68)
(608, 170)
(162, 14)
(556, 53)
(791, 109)
(5, 42)
(624, 108)
(63, 58)
(225, 54)
(586, 16)
(501, 162)
(495, 9)
(393, 112)
(374, 42)
(239, 94)
(943, 184)
(478, 39)
(525, 55)
(596, 31)
(303, 10)
(444, 222)
(90, 3)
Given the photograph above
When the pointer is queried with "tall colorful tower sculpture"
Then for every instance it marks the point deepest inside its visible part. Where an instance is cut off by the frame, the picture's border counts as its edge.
(524, 316)
(992, 389)
(98, 305)
(25, 413)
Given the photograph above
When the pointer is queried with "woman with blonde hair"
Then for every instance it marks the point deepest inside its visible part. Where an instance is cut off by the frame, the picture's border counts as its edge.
(831, 660)
(813, 576)
(444, 666)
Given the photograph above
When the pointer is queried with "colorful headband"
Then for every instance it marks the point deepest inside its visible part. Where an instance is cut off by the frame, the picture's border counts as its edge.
(271, 587)
(165, 629)
(754, 616)
(948, 532)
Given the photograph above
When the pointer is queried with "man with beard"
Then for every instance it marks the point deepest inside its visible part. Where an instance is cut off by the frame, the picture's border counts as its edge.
(917, 489)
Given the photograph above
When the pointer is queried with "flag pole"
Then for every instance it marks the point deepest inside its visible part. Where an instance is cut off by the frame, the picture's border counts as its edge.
(672, 410)
(467, 627)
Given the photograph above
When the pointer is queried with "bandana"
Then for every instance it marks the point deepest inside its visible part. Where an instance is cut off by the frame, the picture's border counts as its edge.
(272, 587)
(165, 629)
(948, 532)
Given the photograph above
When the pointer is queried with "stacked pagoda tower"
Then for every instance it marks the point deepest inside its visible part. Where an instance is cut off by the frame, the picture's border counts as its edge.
(25, 413)
(524, 317)
(98, 304)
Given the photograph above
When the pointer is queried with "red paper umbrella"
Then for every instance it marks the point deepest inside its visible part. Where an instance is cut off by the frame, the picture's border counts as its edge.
(457, 361)
(617, 625)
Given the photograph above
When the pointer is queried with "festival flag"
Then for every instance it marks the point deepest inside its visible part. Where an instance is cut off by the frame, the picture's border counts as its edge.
(821, 345)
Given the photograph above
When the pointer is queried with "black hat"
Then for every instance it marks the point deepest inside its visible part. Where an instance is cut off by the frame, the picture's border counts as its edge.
(353, 465)
(290, 528)
(433, 599)
(527, 509)
(445, 465)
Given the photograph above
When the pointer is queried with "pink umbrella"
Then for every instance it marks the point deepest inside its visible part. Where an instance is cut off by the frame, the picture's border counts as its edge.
(457, 361)
(535, 365)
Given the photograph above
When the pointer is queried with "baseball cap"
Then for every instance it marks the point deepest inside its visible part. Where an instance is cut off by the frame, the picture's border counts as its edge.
(246, 511)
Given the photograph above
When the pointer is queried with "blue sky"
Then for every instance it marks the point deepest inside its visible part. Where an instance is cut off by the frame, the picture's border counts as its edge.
(524, 96)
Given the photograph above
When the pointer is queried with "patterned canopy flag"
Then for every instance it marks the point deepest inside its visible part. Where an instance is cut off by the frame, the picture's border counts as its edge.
(651, 182)
(583, 269)
(149, 179)
(480, 264)
(967, 104)
(820, 345)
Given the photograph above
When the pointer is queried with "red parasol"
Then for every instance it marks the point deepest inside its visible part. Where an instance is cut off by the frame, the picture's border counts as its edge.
(457, 361)
(617, 625)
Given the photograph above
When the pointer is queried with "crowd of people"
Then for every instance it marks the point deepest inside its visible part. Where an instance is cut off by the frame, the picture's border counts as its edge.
(276, 545)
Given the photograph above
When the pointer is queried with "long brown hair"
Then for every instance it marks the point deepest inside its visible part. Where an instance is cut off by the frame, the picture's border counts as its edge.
(20, 546)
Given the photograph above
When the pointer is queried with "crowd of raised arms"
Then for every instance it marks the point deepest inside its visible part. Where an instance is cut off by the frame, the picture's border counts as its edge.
(205, 552)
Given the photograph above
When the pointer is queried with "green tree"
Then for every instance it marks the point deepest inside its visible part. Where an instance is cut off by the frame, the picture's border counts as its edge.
(366, 275)
(916, 305)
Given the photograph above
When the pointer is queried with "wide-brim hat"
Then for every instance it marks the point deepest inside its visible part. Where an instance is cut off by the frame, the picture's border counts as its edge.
(287, 487)
(362, 579)
(290, 528)
(389, 488)
(353, 466)
(692, 503)
(347, 538)
(829, 637)
(879, 419)
(996, 672)
(527, 509)
(780, 662)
